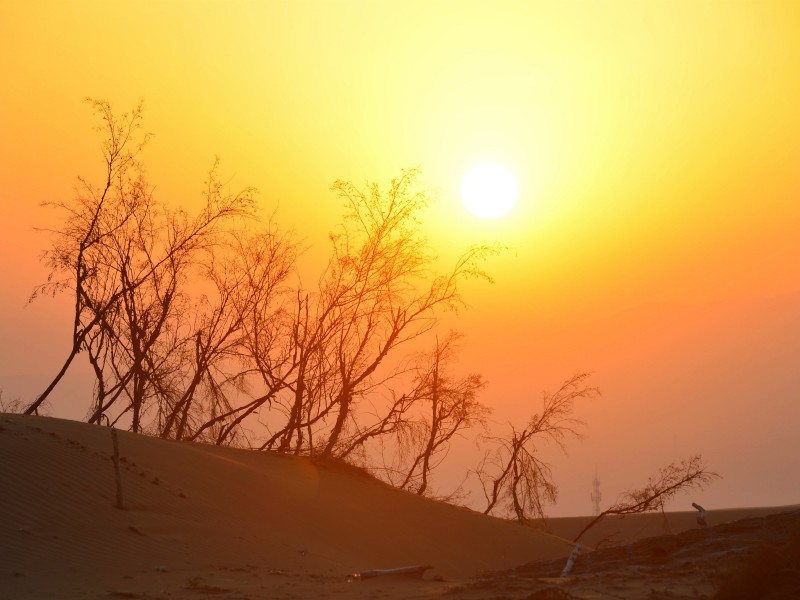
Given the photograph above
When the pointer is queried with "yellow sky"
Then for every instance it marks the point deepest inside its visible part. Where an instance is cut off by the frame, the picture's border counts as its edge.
(656, 146)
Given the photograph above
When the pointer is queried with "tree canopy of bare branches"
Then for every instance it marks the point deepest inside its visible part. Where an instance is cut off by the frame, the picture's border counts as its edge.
(446, 407)
(196, 325)
(376, 295)
(672, 479)
(513, 472)
(127, 259)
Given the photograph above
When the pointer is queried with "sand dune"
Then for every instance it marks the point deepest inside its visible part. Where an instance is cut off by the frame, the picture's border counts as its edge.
(225, 523)
(229, 521)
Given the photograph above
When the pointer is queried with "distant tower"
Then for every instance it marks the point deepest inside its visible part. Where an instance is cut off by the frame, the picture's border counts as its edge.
(596, 495)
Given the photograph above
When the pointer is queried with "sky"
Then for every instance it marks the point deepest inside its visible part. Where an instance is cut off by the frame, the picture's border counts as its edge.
(654, 243)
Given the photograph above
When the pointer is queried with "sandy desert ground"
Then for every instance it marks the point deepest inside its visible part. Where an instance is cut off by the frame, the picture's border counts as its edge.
(202, 522)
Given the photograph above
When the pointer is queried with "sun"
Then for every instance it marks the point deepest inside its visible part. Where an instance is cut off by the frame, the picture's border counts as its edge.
(489, 191)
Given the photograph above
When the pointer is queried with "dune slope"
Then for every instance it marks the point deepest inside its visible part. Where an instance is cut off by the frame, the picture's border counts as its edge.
(194, 511)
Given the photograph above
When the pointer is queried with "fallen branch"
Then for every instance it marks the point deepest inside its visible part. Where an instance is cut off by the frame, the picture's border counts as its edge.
(416, 571)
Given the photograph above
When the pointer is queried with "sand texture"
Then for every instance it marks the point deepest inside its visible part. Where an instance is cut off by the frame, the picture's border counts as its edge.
(208, 522)
(202, 519)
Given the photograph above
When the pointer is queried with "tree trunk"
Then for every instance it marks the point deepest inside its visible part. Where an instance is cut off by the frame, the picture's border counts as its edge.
(117, 471)
(36, 403)
(344, 409)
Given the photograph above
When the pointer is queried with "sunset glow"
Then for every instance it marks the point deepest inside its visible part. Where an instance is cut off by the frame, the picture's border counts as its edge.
(641, 175)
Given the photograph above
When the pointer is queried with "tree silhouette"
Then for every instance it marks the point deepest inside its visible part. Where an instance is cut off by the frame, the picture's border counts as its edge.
(512, 472)
(251, 279)
(374, 297)
(196, 328)
(670, 480)
(124, 256)
(449, 406)
(92, 215)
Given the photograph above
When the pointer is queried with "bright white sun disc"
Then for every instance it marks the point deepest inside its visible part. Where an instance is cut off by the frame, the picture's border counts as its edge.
(489, 191)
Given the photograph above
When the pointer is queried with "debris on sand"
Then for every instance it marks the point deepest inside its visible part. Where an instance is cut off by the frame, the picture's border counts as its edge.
(415, 571)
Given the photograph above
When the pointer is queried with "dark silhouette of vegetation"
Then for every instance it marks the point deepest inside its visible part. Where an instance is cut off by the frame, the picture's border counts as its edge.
(83, 232)
(672, 479)
(124, 256)
(447, 406)
(10, 406)
(341, 347)
(197, 327)
(513, 473)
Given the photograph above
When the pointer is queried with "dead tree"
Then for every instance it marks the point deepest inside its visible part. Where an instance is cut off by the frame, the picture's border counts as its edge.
(342, 343)
(301, 362)
(251, 279)
(91, 216)
(447, 406)
(125, 255)
(120, 502)
(672, 479)
(513, 472)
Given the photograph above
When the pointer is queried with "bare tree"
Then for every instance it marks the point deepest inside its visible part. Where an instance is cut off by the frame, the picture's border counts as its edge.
(513, 472)
(125, 255)
(179, 348)
(375, 295)
(92, 215)
(674, 478)
(250, 280)
(449, 406)
(10, 406)
(194, 332)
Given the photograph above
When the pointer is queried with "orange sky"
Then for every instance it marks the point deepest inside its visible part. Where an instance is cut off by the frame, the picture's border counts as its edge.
(656, 145)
